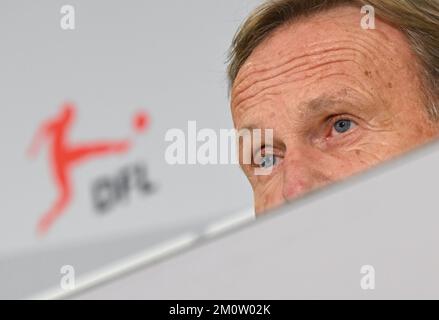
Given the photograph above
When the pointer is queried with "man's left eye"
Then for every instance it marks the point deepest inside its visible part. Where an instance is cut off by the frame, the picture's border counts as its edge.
(342, 126)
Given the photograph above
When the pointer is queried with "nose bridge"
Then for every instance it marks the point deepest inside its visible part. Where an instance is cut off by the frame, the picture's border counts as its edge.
(298, 173)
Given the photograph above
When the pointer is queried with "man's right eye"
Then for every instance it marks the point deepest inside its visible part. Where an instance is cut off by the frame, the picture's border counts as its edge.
(267, 159)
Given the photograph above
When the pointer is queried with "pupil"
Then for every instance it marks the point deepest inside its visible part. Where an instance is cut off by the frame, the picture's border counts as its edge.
(342, 126)
(267, 162)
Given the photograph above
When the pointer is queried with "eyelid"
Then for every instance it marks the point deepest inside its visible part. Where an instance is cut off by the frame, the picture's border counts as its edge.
(333, 119)
(262, 150)
(342, 116)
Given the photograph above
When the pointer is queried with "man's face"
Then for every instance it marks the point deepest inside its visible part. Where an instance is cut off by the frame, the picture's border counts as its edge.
(339, 98)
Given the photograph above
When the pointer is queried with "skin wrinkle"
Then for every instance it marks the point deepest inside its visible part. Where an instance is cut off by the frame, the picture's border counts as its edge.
(365, 44)
(337, 71)
(258, 90)
(238, 102)
(242, 109)
(291, 64)
(290, 70)
(315, 50)
(269, 64)
(250, 69)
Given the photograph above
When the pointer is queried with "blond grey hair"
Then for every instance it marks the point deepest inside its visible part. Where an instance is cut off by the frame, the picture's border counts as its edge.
(417, 19)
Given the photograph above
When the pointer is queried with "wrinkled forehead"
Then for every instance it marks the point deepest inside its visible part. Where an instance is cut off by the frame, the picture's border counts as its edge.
(316, 45)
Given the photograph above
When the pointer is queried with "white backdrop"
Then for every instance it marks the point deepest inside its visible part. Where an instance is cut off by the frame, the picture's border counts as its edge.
(163, 58)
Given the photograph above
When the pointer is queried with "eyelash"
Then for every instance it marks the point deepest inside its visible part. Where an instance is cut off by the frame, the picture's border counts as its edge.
(275, 153)
(332, 120)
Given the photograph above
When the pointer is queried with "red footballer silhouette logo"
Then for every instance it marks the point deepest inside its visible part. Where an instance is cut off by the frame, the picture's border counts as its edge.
(65, 156)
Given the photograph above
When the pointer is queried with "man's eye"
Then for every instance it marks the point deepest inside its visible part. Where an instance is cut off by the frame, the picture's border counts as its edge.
(268, 161)
(342, 126)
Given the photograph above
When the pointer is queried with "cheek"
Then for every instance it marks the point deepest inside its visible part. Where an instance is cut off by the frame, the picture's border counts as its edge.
(386, 146)
(268, 195)
(362, 156)
(406, 127)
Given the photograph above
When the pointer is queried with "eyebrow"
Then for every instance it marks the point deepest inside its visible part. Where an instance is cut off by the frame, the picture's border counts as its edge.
(325, 102)
(251, 127)
(319, 104)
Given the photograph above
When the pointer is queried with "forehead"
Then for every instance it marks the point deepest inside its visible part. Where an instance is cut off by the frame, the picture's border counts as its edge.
(319, 52)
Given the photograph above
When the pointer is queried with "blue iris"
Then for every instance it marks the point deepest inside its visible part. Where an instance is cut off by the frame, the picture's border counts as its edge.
(268, 161)
(342, 126)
